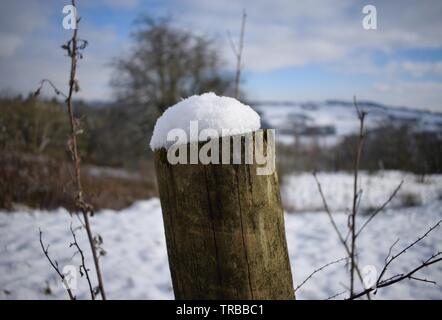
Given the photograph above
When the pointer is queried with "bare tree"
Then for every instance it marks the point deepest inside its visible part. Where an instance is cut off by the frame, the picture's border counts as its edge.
(166, 64)
(74, 48)
(237, 51)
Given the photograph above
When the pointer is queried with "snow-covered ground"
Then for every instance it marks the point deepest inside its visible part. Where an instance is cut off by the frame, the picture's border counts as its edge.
(136, 265)
(300, 192)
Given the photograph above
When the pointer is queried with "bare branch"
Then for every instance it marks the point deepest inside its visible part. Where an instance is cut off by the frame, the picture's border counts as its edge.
(336, 295)
(50, 83)
(83, 267)
(232, 45)
(54, 265)
(381, 208)
(238, 52)
(394, 257)
(399, 277)
(422, 280)
(390, 250)
(327, 210)
(361, 116)
(318, 270)
(352, 251)
(335, 227)
(361, 113)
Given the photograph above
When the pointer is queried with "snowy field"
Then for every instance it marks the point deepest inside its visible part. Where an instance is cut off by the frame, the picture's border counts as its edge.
(136, 266)
(299, 192)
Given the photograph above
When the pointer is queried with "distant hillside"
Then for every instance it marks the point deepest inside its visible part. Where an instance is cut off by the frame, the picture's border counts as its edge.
(333, 119)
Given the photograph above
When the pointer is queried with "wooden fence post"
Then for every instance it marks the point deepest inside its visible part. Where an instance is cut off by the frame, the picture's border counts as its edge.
(224, 228)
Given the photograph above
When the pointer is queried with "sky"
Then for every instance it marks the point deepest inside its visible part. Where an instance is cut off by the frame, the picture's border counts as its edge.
(294, 50)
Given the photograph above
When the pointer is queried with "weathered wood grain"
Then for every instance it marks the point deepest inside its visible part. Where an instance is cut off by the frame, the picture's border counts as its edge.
(224, 227)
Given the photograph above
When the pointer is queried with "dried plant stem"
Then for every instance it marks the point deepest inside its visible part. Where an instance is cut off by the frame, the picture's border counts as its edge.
(335, 227)
(83, 263)
(361, 116)
(238, 53)
(73, 48)
(80, 203)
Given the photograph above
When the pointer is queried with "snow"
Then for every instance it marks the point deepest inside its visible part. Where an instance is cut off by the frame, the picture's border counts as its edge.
(299, 192)
(136, 264)
(288, 118)
(313, 243)
(224, 114)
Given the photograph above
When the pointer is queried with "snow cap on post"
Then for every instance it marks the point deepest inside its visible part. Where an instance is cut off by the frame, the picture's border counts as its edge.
(225, 115)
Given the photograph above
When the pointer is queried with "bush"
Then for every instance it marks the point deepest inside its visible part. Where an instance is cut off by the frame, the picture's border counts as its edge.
(387, 147)
(42, 182)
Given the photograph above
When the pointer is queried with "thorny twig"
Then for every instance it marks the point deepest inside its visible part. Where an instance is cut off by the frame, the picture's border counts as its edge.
(318, 270)
(435, 258)
(394, 257)
(84, 207)
(54, 265)
(422, 280)
(336, 295)
(74, 49)
(83, 267)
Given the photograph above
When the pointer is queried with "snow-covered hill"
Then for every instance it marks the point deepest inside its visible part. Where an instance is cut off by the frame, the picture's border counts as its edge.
(333, 119)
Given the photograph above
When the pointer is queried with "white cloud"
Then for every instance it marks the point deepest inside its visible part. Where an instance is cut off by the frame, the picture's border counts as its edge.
(423, 94)
(9, 44)
(18, 19)
(279, 34)
(416, 69)
(290, 33)
(121, 4)
(31, 50)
